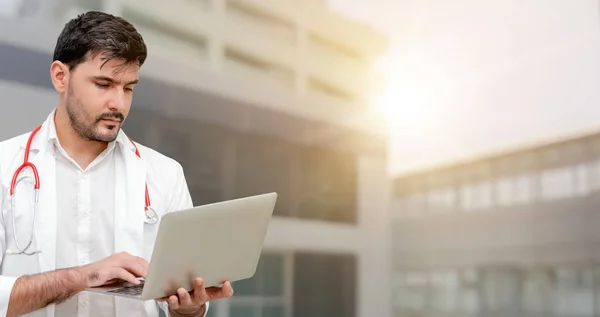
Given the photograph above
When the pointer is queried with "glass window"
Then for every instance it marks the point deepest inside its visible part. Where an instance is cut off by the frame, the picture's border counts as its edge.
(593, 170)
(264, 165)
(327, 185)
(268, 280)
(273, 311)
(441, 200)
(476, 196)
(582, 180)
(444, 290)
(504, 191)
(324, 285)
(523, 193)
(557, 183)
(243, 311)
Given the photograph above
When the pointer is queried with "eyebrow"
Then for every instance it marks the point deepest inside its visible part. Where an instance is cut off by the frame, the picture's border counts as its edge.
(108, 79)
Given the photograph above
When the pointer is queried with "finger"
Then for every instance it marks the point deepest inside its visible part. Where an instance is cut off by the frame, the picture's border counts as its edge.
(135, 268)
(132, 264)
(142, 262)
(173, 302)
(199, 291)
(125, 275)
(185, 299)
(225, 291)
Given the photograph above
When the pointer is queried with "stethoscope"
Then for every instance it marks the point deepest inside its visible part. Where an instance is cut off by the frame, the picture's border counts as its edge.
(150, 213)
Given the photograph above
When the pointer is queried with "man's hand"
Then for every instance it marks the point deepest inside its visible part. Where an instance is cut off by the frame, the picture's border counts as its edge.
(118, 267)
(194, 303)
(33, 292)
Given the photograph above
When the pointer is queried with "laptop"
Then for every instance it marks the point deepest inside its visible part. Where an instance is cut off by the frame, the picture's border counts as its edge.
(218, 242)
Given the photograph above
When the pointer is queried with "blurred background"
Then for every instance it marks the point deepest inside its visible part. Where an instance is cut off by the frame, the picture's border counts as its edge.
(432, 157)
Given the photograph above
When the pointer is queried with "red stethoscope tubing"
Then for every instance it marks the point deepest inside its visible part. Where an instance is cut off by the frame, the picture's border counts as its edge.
(26, 164)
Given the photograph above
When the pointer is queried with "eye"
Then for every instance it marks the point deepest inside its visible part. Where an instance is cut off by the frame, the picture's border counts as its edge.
(128, 89)
(102, 85)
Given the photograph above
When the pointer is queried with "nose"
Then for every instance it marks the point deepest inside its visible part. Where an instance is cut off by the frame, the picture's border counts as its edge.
(118, 100)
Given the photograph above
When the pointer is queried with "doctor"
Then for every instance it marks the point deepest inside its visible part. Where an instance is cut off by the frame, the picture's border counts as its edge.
(100, 195)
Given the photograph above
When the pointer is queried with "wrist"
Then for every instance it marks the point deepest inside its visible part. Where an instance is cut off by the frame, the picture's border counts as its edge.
(199, 313)
(79, 277)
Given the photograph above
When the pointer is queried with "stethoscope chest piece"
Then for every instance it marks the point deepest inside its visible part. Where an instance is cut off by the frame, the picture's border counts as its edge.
(151, 216)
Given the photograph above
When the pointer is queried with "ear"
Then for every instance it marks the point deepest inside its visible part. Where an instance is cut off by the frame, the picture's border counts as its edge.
(59, 74)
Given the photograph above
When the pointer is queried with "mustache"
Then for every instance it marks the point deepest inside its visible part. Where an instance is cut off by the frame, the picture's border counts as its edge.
(112, 115)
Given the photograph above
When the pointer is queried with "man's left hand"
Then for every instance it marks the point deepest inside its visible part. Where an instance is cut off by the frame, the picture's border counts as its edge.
(194, 303)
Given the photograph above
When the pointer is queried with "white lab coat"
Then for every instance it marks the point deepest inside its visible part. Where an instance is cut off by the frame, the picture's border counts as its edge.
(168, 192)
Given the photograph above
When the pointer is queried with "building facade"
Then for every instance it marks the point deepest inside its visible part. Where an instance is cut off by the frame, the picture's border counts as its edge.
(250, 97)
(515, 234)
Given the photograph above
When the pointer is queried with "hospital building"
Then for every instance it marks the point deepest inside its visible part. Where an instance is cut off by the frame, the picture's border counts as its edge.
(510, 234)
(250, 97)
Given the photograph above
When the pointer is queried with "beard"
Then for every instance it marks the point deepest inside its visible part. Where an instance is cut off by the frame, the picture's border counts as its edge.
(88, 126)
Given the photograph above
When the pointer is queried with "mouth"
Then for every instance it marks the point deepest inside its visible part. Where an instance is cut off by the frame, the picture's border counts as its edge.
(112, 121)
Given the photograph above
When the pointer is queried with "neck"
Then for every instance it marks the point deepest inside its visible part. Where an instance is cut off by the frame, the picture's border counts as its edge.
(83, 151)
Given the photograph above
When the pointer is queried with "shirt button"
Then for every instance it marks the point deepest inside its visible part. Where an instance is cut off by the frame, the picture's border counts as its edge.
(84, 303)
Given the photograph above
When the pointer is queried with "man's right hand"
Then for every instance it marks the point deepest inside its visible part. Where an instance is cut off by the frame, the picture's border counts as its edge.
(118, 267)
(32, 292)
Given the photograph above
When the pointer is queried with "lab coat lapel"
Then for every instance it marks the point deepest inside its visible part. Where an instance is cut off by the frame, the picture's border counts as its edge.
(43, 158)
(129, 198)
(42, 155)
(46, 213)
(129, 212)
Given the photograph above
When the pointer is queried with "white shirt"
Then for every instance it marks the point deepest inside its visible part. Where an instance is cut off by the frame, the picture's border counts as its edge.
(85, 214)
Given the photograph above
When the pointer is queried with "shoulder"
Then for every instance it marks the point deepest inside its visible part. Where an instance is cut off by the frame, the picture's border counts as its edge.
(158, 163)
(10, 149)
(14, 143)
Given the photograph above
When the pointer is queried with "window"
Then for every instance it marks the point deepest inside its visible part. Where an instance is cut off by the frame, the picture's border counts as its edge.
(258, 21)
(575, 288)
(319, 87)
(513, 191)
(168, 39)
(336, 49)
(476, 196)
(204, 173)
(327, 185)
(324, 285)
(411, 290)
(444, 290)
(264, 165)
(524, 189)
(593, 172)
(581, 179)
(505, 191)
(557, 184)
(263, 295)
(440, 200)
(240, 63)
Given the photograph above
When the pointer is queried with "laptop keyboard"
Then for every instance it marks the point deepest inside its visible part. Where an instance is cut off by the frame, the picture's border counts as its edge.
(133, 290)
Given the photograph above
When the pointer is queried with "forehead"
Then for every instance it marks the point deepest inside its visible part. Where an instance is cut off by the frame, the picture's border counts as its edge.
(116, 68)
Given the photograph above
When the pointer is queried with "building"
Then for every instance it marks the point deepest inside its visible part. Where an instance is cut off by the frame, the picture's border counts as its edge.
(514, 234)
(250, 96)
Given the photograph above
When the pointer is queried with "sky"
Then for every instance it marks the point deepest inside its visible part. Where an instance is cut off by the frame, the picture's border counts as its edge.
(471, 78)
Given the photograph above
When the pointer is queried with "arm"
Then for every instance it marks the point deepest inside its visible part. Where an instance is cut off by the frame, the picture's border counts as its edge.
(30, 293)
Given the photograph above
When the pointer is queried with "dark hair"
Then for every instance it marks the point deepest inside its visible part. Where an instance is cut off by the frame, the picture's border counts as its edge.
(93, 33)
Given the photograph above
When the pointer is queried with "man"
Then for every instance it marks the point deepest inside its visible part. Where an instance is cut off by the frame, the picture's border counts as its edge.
(89, 226)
